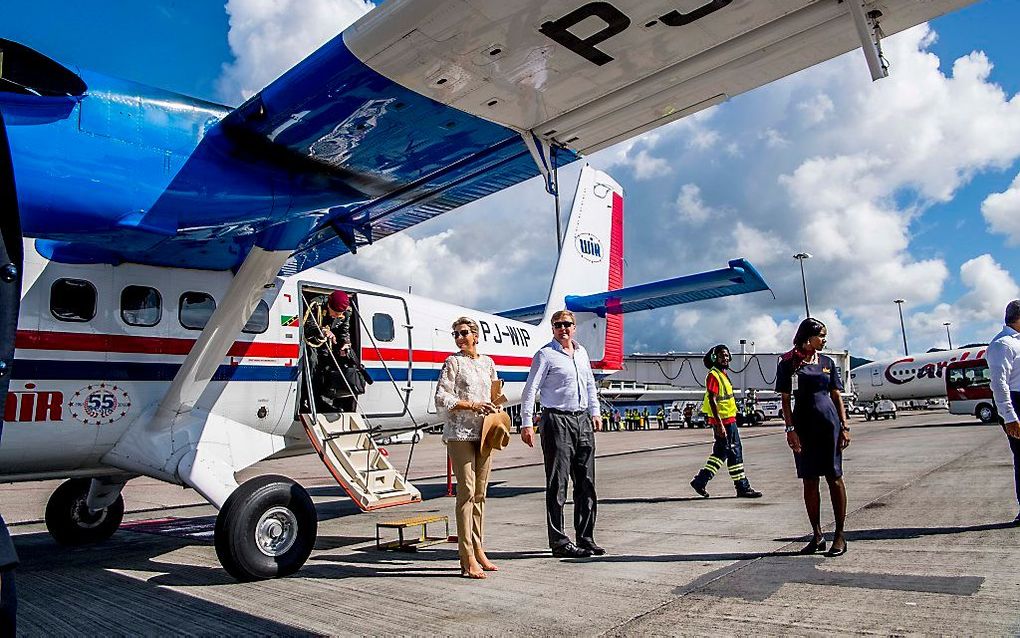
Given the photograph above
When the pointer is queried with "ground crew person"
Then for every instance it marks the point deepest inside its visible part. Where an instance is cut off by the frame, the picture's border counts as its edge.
(660, 416)
(646, 423)
(720, 409)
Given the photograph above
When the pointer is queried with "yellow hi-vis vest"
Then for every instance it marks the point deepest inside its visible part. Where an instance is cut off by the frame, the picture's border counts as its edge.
(725, 403)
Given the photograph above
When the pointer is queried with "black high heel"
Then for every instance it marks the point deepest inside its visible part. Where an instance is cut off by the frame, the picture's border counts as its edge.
(814, 546)
(832, 553)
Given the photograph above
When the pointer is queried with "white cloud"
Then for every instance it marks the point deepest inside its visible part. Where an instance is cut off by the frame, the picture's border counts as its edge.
(816, 109)
(1002, 212)
(690, 206)
(267, 37)
(991, 287)
(774, 139)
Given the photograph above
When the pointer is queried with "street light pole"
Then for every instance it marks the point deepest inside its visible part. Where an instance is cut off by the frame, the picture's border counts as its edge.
(903, 329)
(950, 338)
(803, 281)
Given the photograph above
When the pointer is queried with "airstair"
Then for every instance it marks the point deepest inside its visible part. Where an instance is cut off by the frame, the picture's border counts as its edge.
(344, 443)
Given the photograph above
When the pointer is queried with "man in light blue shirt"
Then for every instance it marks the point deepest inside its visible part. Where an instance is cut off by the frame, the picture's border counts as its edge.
(1004, 365)
(561, 375)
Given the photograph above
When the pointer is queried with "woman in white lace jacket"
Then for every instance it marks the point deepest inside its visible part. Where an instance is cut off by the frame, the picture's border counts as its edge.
(464, 394)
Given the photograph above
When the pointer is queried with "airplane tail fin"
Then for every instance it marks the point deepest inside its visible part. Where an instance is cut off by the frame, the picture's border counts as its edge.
(591, 262)
(589, 275)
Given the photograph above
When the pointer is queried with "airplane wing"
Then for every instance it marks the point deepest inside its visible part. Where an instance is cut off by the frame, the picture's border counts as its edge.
(740, 277)
(418, 108)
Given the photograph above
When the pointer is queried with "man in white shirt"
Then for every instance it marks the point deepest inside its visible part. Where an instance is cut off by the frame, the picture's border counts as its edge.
(561, 373)
(1004, 364)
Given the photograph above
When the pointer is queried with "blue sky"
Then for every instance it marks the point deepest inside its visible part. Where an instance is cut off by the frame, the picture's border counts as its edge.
(933, 225)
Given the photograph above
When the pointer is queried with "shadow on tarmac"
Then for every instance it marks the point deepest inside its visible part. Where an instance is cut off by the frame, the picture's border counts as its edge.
(900, 533)
(658, 499)
(78, 591)
(965, 424)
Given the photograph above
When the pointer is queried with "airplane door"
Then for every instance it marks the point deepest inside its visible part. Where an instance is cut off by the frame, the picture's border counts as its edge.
(385, 330)
(876, 377)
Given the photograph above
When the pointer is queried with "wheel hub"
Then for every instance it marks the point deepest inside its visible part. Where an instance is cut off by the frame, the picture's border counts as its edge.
(84, 518)
(276, 531)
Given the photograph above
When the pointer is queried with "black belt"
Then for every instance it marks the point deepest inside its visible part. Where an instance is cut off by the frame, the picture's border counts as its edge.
(564, 412)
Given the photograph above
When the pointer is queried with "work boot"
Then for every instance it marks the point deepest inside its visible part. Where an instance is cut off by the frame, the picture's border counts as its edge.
(748, 492)
(699, 488)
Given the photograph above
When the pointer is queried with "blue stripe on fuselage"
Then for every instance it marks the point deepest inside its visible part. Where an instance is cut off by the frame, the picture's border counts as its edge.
(44, 369)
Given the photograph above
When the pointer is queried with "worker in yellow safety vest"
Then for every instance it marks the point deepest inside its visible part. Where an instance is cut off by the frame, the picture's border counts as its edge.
(720, 409)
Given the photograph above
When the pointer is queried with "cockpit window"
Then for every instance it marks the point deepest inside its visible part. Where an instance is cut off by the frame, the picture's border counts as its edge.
(29, 72)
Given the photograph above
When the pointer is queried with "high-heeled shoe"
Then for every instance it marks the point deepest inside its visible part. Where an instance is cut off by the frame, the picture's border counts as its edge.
(815, 546)
(836, 551)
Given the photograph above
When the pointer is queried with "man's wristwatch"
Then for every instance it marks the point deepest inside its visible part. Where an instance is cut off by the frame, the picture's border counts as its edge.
(789, 429)
(844, 427)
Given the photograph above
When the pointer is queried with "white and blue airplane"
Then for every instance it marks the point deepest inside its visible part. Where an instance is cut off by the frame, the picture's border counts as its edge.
(172, 242)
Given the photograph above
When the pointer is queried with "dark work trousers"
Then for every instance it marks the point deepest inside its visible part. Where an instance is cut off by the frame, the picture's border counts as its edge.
(8, 596)
(1014, 446)
(568, 447)
(730, 452)
(8, 603)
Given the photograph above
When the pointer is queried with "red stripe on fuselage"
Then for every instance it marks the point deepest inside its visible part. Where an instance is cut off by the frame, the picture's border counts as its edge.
(79, 342)
(125, 344)
(434, 356)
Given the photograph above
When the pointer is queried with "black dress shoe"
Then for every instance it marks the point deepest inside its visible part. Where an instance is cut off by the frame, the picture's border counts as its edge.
(748, 493)
(700, 489)
(570, 551)
(814, 547)
(593, 548)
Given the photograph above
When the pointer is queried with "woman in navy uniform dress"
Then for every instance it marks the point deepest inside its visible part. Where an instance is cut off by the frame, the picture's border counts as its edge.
(816, 428)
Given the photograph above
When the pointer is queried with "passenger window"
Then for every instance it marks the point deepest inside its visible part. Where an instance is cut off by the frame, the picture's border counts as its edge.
(259, 321)
(382, 327)
(73, 300)
(140, 306)
(195, 309)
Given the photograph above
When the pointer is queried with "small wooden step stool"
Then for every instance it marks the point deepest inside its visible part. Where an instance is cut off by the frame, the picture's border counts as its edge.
(411, 545)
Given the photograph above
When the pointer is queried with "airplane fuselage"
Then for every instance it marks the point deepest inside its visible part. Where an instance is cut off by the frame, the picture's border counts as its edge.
(79, 384)
(909, 377)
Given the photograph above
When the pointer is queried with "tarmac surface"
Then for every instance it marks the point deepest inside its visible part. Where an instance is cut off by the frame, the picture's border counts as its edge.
(931, 550)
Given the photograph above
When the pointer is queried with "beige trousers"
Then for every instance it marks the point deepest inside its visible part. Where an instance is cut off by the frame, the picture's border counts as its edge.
(471, 468)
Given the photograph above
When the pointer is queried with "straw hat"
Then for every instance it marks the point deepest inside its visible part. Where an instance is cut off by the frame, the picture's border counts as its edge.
(496, 431)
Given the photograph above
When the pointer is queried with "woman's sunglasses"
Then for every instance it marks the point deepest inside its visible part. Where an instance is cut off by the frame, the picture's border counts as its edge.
(461, 333)
(562, 324)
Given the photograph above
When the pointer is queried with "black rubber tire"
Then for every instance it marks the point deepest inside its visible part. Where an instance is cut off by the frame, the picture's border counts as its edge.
(69, 521)
(235, 528)
(985, 413)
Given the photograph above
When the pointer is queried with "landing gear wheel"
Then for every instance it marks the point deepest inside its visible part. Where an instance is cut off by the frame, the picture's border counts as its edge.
(986, 413)
(266, 529)
(69, 520)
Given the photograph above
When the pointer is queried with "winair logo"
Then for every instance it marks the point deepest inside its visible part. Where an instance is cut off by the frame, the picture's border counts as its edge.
(589, 246)
(616, 22)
